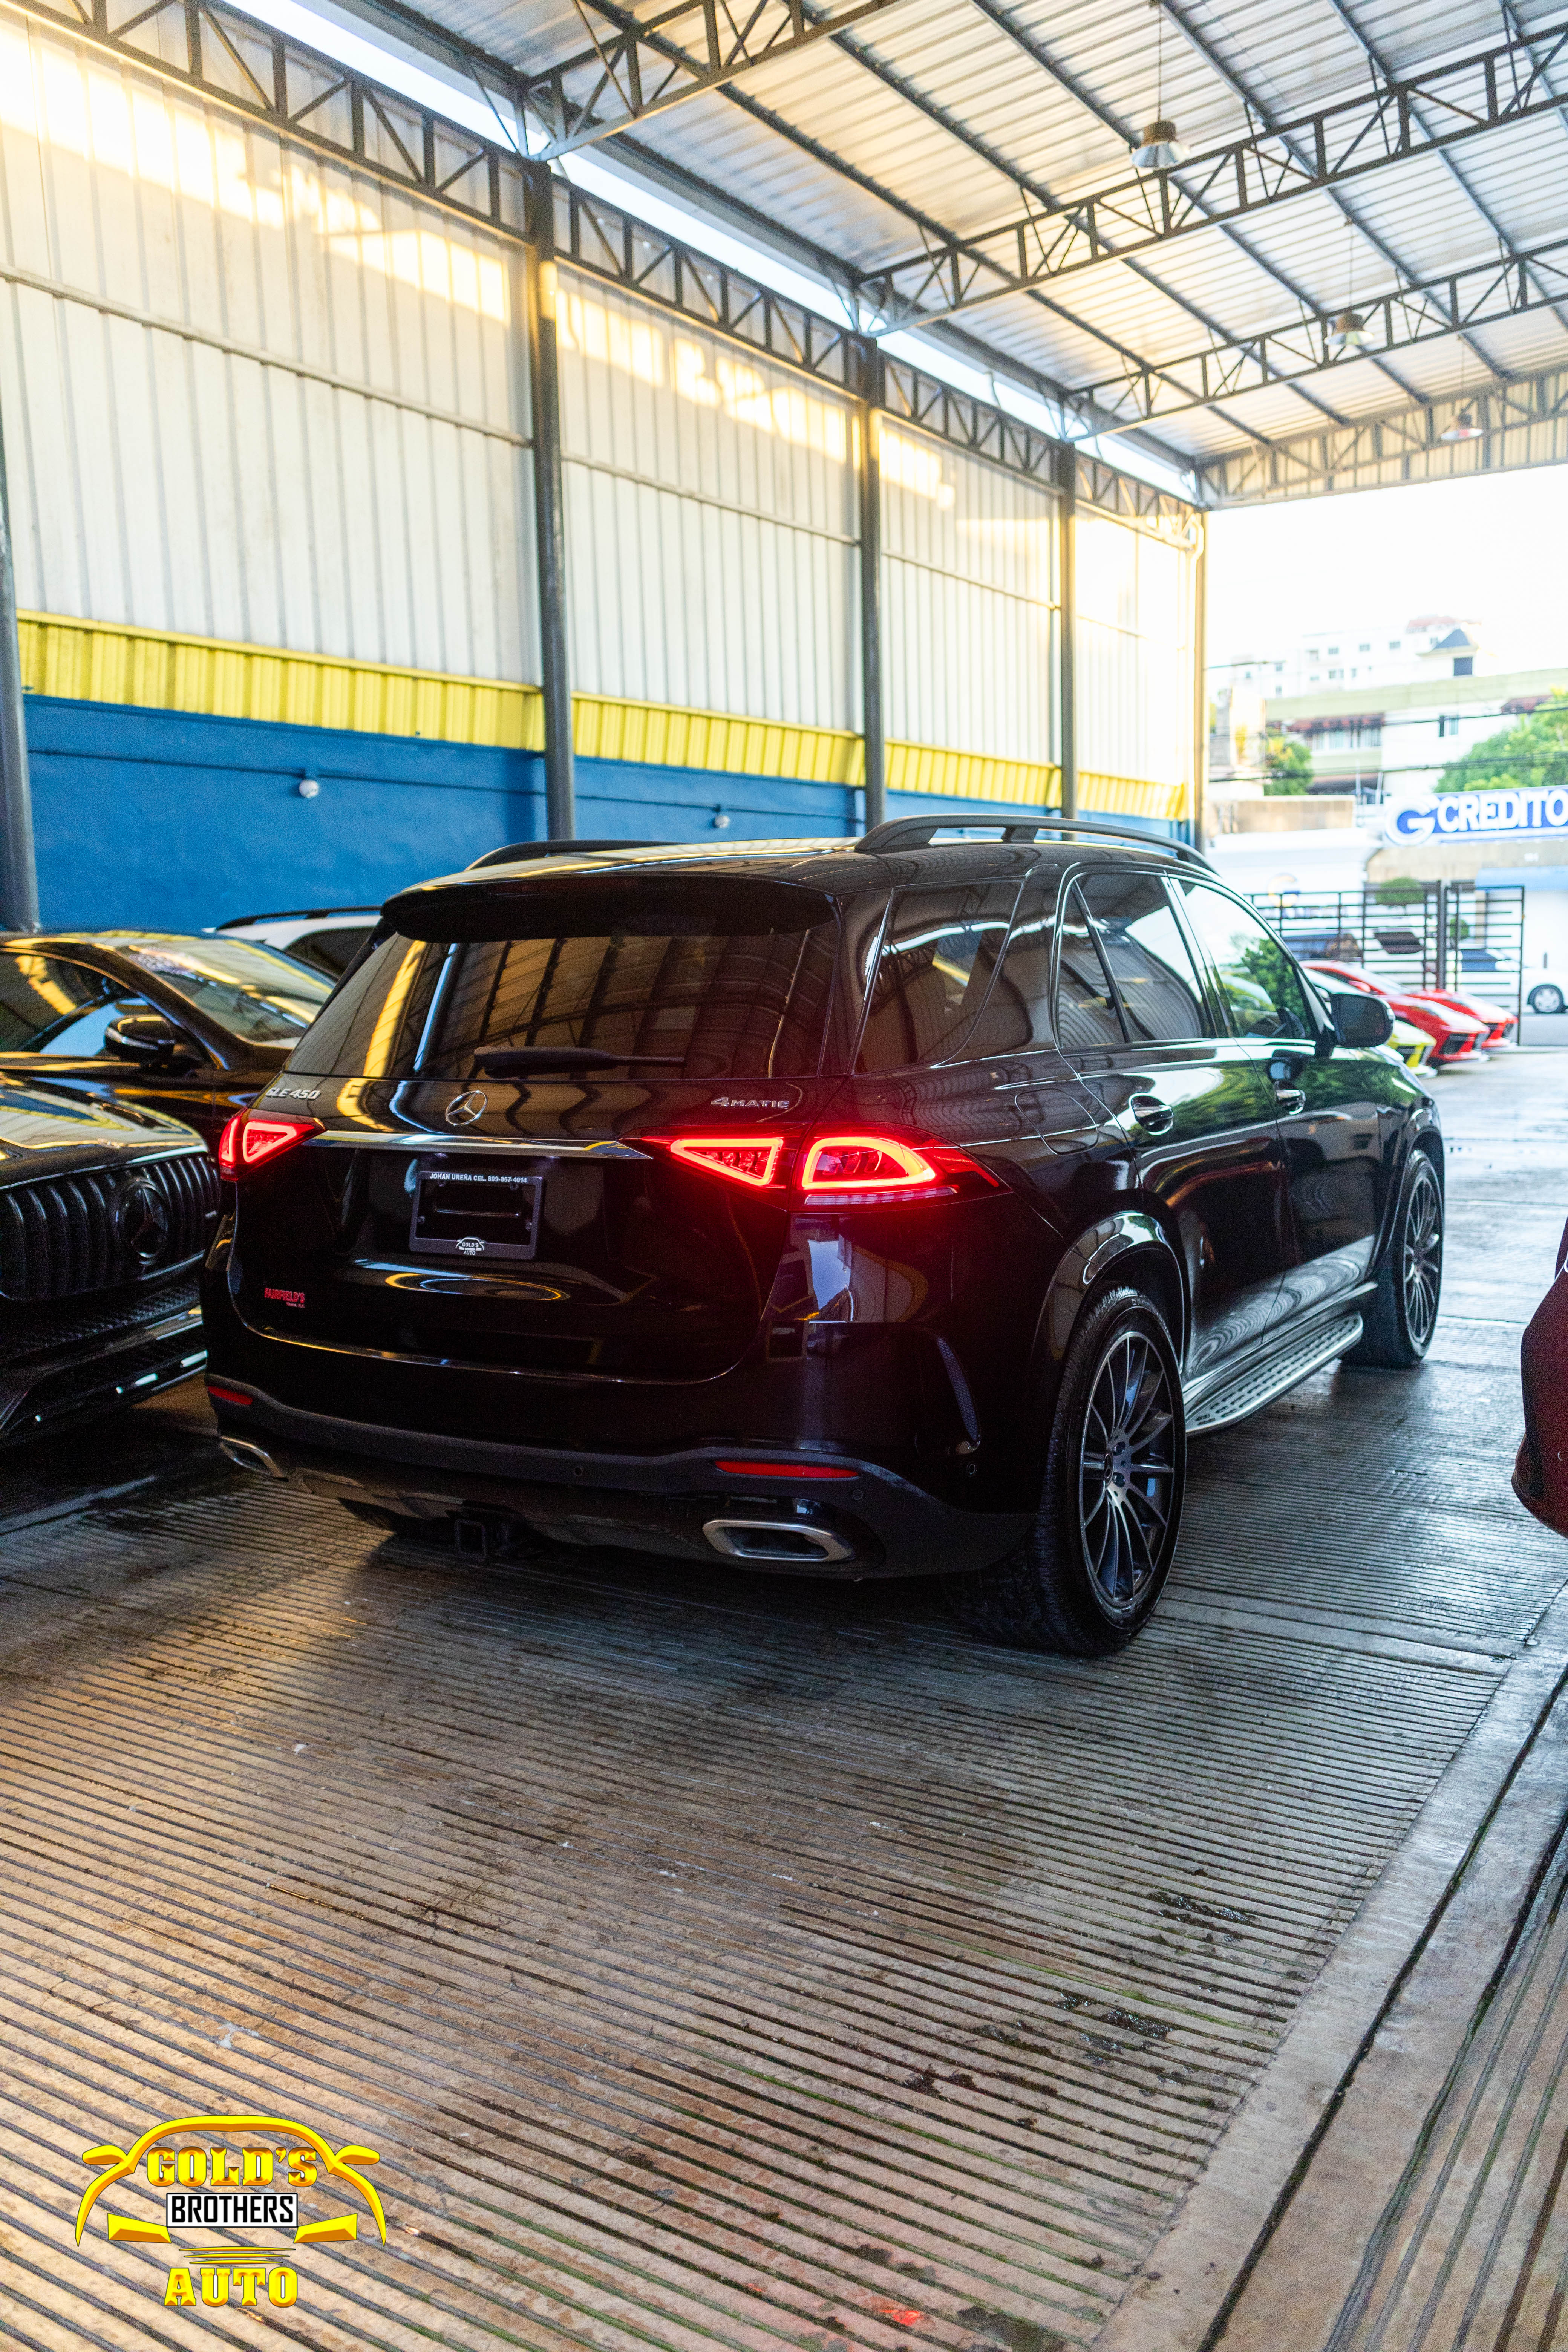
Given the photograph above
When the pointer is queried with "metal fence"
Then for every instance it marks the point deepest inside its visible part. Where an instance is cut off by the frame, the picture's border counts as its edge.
(1448, 936)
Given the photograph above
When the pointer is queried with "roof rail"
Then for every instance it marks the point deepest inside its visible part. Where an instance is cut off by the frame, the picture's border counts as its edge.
(916, 832)
(516, 851)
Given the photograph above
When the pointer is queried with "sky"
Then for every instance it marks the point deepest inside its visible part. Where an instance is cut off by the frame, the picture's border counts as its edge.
(1489, 550)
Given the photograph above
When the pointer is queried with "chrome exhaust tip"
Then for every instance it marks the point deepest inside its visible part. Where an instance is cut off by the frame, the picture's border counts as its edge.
(782, 1542)
(247, 1456)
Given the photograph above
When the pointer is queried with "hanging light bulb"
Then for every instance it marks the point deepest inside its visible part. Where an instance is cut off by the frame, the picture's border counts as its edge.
(1157, 148)
(1463, 428)
(1348, 332)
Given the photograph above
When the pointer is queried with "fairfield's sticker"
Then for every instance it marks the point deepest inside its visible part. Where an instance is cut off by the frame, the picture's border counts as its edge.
(258, 2179)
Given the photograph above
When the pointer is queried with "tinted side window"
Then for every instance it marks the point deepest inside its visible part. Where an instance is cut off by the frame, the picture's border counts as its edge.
(331, 952)
(1017, 1012)
(1261, 986)
(938, 958)
(1162, 995)
(1086, 1008)
(50, 1006)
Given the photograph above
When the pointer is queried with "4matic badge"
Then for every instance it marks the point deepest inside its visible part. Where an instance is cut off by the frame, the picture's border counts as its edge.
(249, 2178)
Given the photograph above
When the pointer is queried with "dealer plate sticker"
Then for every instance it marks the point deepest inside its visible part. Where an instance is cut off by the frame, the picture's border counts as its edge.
(481, 1214)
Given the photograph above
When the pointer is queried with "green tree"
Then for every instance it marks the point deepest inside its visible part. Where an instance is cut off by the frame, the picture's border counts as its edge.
(1532, 752)
(1289, 765)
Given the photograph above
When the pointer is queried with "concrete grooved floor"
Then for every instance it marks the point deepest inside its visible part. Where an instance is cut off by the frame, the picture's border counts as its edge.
(722, 1962)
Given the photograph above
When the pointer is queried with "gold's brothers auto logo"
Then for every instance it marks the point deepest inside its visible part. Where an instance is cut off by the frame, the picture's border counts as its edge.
(247, 2176)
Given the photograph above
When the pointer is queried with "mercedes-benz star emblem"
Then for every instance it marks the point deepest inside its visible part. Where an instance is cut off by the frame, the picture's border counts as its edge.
(463, 1109)
(141, 1221)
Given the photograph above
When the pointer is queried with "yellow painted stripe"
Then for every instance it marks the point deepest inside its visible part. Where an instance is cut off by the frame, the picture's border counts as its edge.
(155, 669)
(1129, 796)
(604, 728)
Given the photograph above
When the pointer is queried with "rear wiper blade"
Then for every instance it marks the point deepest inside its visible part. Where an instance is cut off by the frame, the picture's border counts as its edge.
(525, 1061)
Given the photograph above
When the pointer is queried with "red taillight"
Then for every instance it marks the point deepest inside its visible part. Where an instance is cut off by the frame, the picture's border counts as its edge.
(744, 1159)
(226, 1396)
(252, 1138)
(782, 1470)
(854, 1170)
(864, 1163)
(863, 1168)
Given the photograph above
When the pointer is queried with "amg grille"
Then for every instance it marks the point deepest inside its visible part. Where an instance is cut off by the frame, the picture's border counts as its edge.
(99, 1227)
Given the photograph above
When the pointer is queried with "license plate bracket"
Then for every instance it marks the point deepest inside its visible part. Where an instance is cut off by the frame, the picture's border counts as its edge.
(477, 1214)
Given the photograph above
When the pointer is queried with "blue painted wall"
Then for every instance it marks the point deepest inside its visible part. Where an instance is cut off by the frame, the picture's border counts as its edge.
(155, 818)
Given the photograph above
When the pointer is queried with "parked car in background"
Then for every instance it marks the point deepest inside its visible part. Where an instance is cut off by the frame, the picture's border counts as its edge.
(329, 938)
(1456, 1036)
(194, 1026)
(849, 1210)
(1548, 996)
(1499, 1023)
(105, 1215)
(1413, 1046)
(326, 937)
(1541, 1469)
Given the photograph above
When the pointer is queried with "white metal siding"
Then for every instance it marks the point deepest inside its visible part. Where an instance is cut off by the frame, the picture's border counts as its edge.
(969, 600)
(248, 394)
(1134, 652)
(710, 507)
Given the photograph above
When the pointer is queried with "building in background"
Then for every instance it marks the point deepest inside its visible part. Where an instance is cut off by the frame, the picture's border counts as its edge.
(1381, 712)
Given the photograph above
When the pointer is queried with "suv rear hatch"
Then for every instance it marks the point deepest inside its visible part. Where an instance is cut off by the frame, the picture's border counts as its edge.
(499, 1088)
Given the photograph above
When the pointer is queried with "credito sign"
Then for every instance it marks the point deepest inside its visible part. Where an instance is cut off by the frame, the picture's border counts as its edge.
(1449, 814)
(257, 2179)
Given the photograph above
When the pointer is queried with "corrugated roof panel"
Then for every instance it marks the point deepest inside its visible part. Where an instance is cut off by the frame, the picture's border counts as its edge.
(1043, 95)
(714, 140)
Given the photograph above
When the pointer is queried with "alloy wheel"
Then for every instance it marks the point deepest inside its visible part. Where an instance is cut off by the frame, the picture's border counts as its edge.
(1127, 1472)
(1422, 1271)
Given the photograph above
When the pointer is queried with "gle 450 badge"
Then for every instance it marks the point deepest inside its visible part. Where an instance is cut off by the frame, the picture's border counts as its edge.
(233, 2192)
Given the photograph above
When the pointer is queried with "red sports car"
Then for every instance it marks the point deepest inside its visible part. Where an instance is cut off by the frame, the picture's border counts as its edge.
(1540, 1471)
(1501, 1023)
(1454, 1035)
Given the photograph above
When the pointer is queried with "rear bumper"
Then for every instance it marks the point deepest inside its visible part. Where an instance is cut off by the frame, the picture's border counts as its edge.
(679, 1503)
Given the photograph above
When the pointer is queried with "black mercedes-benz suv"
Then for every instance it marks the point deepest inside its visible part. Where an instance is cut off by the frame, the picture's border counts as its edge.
(854, 1211)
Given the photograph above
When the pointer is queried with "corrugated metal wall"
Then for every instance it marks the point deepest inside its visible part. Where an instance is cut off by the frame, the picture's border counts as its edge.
(1135, 640)
(711, 504)
(250, 394)
(258, 404)
(970, 568)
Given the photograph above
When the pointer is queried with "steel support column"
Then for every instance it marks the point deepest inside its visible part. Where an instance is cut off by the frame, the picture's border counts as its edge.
(19, 866)
(872, 397)
(549, 511)
(1067, 651)
(1200, 694)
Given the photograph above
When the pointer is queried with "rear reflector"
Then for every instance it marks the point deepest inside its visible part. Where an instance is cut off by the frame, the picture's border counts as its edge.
(782, 1470)
(226, 1396)
(743, 1158)
(252, 1138)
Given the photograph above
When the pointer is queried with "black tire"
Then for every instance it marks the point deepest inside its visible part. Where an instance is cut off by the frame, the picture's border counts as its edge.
(1547, 998)
(1398, 1321)
(1087, 1575)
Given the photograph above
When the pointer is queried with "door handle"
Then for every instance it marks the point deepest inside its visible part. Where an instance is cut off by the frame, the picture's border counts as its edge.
(1290, 1100)
(1152, 1113)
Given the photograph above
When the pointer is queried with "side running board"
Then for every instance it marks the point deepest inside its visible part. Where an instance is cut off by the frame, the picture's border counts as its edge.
(1254, 1389)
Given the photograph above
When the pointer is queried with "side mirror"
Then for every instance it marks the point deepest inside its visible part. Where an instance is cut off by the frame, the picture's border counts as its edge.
(1361, 1020)
(152, 1040)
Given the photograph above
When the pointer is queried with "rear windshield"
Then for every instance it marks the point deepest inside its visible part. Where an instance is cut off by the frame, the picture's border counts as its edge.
(727, 980)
